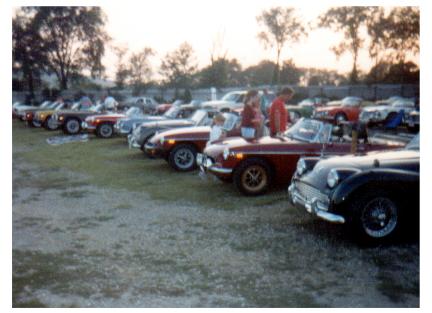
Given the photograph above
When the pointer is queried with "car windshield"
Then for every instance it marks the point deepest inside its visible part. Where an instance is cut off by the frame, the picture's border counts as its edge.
(53, 105)
(75, 106)
(172, 112)
(351, 101)
(306, 102)
(310, 131)
(232, 96)
(60, 106)
(403, 103)
(45, 104)
(96, 108)
(177, 103)
(414, 144)
(230, 121)
(199, 116)
(195, 102)
(133, 111)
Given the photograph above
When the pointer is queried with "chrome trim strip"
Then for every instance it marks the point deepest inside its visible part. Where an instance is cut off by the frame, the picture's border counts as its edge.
(220, 170)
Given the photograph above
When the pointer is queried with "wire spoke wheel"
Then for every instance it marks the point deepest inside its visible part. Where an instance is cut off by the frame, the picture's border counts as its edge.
(254, 178)
(379, 217)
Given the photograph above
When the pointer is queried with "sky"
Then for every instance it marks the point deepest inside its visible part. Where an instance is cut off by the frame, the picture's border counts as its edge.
(163, 25)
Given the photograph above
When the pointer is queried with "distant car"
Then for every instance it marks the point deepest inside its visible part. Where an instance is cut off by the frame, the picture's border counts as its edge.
(70, 120)
(373, 194)
(384, 113)
(162, 108)
(254, 165)
(180, 146)
(44, 117)
(142, 133)
(304, 108)
(125, 126)
(147, 104)
(22, 110)
(103, 124)
(231, 101)
(341, 111)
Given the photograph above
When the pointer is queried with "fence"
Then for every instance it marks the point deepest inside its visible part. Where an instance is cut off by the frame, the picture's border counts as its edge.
(368, 92)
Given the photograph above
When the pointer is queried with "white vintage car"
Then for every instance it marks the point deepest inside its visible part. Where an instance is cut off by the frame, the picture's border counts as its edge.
(384, 113)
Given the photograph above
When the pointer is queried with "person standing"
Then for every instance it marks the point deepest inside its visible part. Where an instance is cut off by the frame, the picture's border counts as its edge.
(278, 115)
(248, 124)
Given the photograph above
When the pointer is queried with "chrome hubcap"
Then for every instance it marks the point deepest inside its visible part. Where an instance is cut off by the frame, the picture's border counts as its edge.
(184, 158)
(379, 217)
(254, 178)
(73, 126)
(106, 131)
(50, 123)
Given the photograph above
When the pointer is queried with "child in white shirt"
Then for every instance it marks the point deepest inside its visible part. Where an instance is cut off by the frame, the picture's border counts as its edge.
(217, 132)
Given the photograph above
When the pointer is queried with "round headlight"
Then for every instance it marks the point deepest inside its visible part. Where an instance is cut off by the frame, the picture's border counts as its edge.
(332, 178)
(161, 140)
(226, 153)
(301, 167)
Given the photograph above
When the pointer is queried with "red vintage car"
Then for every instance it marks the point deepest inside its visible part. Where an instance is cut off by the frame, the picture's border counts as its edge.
(341, 111)
(103, 124)
(180, 146)
(255, 165)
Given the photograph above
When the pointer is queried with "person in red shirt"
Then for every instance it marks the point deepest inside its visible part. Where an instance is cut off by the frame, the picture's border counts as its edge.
(250, 121)
(278, 116)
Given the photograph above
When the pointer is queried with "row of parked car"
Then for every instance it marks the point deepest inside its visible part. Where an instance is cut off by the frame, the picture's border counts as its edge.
(371, 184)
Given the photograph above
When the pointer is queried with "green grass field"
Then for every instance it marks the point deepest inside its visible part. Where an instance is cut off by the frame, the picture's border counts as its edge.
(109, 163)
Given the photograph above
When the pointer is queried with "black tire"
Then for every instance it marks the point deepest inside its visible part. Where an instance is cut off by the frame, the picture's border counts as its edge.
(48, 124)
(340, 117)
(253, 177)
(105, 130)
(72, 126)
(145, 141)
(376, 217)
(183, 157)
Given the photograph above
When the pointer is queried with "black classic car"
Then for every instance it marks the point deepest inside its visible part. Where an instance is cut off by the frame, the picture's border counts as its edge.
(377, 194)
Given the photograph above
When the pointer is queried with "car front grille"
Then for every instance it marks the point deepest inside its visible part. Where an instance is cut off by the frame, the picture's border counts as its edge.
(308, 192)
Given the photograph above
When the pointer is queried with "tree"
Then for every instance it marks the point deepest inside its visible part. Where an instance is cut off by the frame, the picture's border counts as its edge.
(140, 69)
(27, 50)
(348, 20)
(221, 73)
(122, 72)
(179, 66)
(73, 37)
(404, 32)
(281, 27)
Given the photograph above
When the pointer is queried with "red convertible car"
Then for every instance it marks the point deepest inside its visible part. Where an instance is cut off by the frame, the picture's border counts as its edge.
(255, 165)
(180, 146)
(103, 124)
(341, 111)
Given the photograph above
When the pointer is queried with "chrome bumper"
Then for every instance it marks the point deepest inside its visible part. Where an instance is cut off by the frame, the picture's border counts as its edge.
(85, 125)
(313, 206)
(205, 164)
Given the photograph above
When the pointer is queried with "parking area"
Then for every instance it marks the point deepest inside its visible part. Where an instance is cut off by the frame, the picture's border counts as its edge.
(96, 224)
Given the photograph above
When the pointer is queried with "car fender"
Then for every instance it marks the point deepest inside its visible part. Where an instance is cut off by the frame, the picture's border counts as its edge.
(401, 181)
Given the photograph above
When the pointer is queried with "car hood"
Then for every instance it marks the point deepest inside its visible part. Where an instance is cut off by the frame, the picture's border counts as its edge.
(241, 144)
(142, 118)
(216, 103)
(167, 123)
(108, 116)
(40, 112)
(397, 159)
(374, 108)
(189, 133)
(328, 108)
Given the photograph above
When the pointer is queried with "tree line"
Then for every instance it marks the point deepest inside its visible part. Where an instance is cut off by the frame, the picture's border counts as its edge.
(71, 41)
